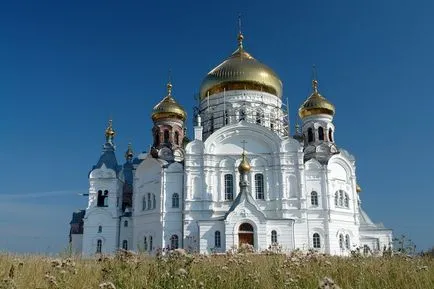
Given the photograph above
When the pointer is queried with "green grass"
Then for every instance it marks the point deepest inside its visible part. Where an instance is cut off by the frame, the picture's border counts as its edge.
(128, 270)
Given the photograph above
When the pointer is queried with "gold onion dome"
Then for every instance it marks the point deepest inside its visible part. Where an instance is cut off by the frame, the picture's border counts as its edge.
(241, 71)
(316, 104)
(109, 131)
(168, 108)
(244, 166)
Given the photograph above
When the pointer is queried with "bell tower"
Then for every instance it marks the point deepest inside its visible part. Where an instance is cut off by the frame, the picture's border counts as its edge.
(318, 130)
(168, 130)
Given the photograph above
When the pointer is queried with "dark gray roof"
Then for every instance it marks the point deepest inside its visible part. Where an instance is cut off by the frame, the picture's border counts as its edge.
(366, 222)
(243, 195)
(108, 158)
(77, 217)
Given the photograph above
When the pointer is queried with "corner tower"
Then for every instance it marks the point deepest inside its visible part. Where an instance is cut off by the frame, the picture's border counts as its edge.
(169, 128)
(318, 130)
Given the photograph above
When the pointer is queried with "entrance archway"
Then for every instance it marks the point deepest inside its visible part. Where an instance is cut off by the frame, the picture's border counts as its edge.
(246, 234)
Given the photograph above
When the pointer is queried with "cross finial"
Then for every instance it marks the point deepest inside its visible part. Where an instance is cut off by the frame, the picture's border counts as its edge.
(314, 79)
(169, 83)
(240, 34)
(244, 145)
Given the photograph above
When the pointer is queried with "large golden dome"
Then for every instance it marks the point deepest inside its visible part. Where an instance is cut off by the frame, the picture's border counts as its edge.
(168, 108)
(241, 71)
(316, 104)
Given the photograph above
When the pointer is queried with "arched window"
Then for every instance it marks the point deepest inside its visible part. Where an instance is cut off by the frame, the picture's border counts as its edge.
(145, 243)
(259, 186)
(346, 201)
(258, 117)
(229, 187)
(336, 199)
(154, 201)
(144, 203)
(341, 241)
(125, 223)
(99, 246)
(150, 244)
(125, 244)
(175, 200)
(246, 227)
(226, 117)
(157, 138)
(341, 198)
(100, 199)
(309, 135)
(176, 137)
(211, 123)
(174, 242)
(166, 136)
(242, 114)
(273, 237)
(99, 229)
(347, 242)
(314, 198)
(316, 241)
(106, 198)
(217, 239)
(149, 201)
(320, 133)
(330, 134)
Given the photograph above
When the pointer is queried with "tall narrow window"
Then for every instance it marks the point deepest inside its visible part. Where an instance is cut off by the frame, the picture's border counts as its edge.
(106, 198)
(125, 223)
(273, 237)
(217, 239)
(211, 123)
(157, 138)
(99, 246)
(330, 134)
(226, 117)
(272, 122)
(258, 117)
(229, 187)
(150, 244)
(341, 241)
(99, 229)
(144, 203)
(242, 114)
(320, 133)
(310, 135)
(145, 243)
(347, 242)
(174, 242)
(259, 186)
(125, 244)
(316, 241)
(100, 199)
(154, 201)
(346, 201)
(166, 136)
(175, 200)
(176, 137)
(149, 201)
(341, 198)
(336, 199)
(314, 198)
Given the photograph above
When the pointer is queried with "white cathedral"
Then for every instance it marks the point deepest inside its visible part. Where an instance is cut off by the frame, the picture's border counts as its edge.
(242, 179)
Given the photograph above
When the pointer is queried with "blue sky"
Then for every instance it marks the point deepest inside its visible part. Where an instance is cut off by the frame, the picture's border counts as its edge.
(67, 66)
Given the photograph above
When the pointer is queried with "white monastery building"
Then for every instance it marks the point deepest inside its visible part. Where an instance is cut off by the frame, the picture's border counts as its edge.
(242, 179)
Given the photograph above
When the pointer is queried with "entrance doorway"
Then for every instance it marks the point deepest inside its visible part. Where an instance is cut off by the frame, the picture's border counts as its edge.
(246, 234)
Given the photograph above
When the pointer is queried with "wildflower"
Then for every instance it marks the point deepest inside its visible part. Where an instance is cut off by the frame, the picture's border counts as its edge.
(422, 268)
(107, 285)
(56, 263)
(181, 272)
(51, 280)
(327, 283)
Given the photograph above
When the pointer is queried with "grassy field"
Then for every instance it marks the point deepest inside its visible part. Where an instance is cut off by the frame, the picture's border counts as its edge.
(179, 270)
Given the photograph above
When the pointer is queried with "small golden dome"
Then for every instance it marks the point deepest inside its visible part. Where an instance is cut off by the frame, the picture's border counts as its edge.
(109, 131)
(244, 166)
(358, 188)
(168, 108)
(241, 71)
(316, 104)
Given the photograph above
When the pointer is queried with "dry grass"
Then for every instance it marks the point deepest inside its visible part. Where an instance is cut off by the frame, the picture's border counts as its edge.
(180, 270)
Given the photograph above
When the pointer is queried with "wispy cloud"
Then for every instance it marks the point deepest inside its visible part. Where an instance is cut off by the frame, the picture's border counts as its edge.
(37, 195)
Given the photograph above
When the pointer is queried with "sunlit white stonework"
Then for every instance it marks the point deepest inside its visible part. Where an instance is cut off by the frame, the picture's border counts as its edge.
(294, 191)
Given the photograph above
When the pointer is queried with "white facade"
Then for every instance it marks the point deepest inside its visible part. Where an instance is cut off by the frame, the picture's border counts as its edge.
(301, 190)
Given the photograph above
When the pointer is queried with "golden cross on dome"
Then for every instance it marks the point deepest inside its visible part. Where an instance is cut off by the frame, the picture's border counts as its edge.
(169, 83)
(314, 79)
(240, 34)
(244, 145)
